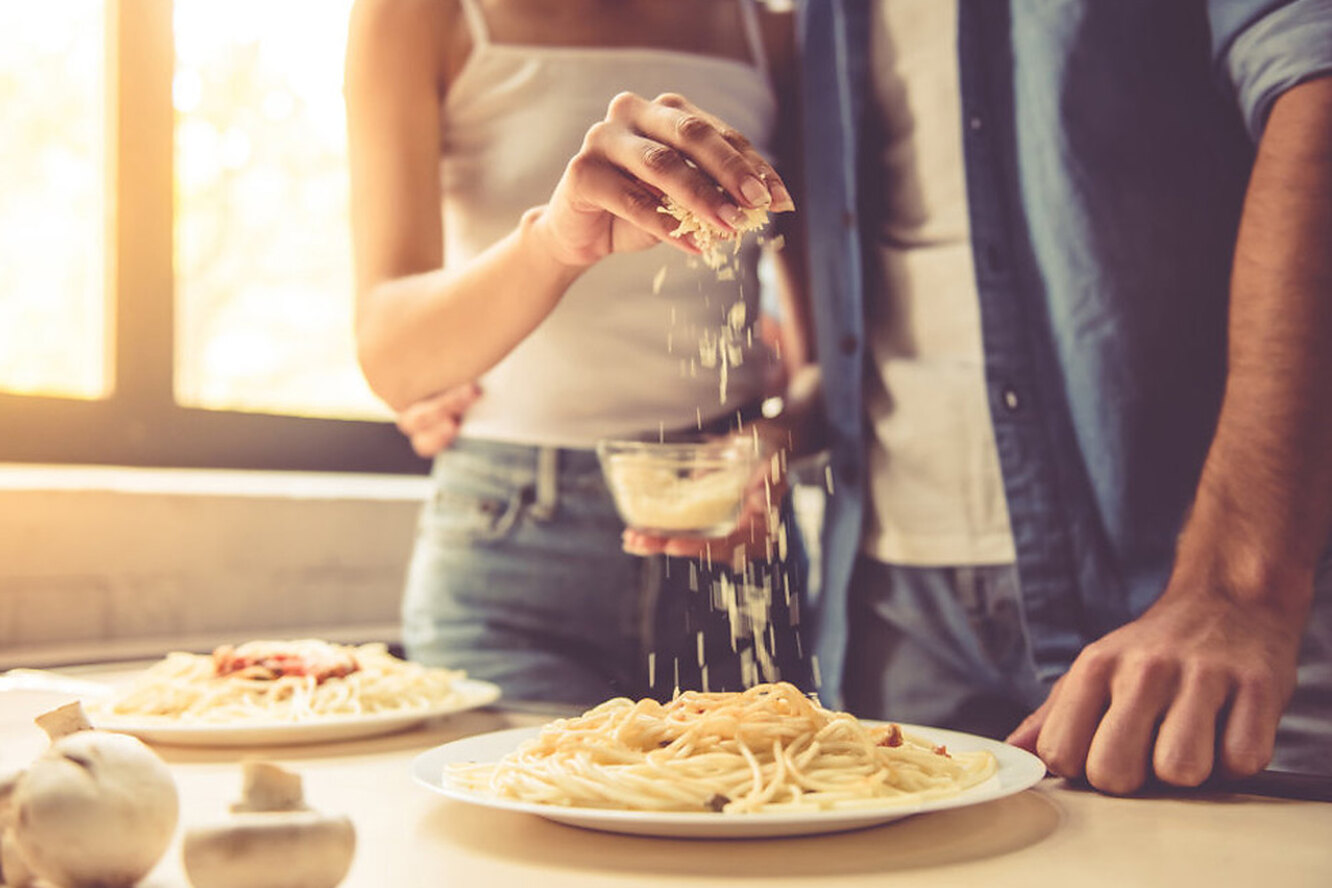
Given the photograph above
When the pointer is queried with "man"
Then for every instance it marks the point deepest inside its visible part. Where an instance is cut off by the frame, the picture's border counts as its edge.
(1104, 499)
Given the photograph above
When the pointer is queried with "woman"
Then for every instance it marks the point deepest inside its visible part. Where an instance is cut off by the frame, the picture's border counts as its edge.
(507, 176)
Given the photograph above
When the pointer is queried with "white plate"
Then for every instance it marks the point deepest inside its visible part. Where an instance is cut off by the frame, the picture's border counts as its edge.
(471, 694)
(1018, 770)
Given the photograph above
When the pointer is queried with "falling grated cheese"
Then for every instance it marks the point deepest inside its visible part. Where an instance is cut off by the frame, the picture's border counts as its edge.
(711, 239)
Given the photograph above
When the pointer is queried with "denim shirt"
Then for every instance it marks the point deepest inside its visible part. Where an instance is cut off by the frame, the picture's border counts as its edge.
(1107, 147)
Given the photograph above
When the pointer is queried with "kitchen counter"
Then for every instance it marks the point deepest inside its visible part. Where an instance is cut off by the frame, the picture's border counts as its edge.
(1053, 834)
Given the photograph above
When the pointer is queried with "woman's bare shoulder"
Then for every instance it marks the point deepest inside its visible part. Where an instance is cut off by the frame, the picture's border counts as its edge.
(389, 17)
(429, 32)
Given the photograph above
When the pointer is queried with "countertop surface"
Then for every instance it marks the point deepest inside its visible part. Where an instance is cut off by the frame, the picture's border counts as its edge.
(1053, 834)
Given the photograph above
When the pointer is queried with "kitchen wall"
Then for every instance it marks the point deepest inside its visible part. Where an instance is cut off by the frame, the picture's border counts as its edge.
(104, 563)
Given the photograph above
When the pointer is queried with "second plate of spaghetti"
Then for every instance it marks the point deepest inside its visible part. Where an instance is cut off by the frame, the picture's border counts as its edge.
(264, 693)
(766, 762)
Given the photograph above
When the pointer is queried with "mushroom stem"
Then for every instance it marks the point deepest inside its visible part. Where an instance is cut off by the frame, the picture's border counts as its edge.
(267, 787)
(64, 720)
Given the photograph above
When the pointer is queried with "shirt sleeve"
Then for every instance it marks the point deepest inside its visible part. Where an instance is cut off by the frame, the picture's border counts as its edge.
(1264, 47)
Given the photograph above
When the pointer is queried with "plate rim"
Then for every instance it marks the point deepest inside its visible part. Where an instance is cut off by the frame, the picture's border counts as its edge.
(476, 693)
(1018, 770)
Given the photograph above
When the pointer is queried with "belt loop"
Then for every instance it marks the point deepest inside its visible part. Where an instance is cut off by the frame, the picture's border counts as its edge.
(547, 483)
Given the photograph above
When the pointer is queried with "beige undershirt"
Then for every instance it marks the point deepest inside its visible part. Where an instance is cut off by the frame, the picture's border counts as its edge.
(935, 491)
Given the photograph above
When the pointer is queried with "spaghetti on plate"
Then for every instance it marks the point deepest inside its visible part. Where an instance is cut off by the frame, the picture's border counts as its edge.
(767, 749)
(282, 681)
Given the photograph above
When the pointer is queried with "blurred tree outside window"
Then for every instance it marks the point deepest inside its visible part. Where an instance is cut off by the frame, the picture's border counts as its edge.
(52, 303)
(263, 254)
(175, 261)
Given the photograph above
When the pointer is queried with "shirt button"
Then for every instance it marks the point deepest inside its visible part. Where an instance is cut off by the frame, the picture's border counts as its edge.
(974, 123)
(848, 344)
(1011, 399)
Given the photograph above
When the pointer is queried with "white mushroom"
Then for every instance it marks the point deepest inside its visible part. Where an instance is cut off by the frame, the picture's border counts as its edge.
(272, 839)
(95, 809)
(14, 870)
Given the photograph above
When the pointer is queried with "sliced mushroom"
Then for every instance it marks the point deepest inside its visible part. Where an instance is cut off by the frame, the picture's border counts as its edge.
(272, 839)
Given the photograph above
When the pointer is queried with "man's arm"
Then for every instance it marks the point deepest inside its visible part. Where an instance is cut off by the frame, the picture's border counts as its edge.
(1197, 684)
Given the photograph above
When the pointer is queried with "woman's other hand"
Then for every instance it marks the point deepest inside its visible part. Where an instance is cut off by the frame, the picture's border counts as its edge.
(757, 535)
(432, 423)
(607, 201)
(798, 430)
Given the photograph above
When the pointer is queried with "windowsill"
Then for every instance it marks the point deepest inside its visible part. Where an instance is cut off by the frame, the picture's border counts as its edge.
(104, 562)
(214, 482)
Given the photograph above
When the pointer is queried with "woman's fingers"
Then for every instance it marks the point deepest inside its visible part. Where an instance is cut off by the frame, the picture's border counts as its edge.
(434, 440)
(613, 190)
(432, 423)
(696, 149)
(602, 184)
(778, 197)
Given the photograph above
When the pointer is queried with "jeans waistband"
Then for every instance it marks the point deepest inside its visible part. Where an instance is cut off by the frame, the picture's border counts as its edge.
(509, 455)
(546, 470)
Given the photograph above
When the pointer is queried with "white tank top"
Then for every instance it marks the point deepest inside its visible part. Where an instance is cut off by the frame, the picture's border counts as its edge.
(620, 354)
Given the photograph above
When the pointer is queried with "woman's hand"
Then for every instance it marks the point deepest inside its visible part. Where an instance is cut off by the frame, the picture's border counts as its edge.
(757, 535)
(608, 199)
(797, 430)
(432, 423)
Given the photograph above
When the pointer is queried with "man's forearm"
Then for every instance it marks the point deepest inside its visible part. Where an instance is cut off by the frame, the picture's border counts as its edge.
(1264, 505)
(1196, 684)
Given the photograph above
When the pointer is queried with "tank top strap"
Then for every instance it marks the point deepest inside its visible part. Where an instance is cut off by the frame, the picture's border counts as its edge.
(749, 15)
(476, 22)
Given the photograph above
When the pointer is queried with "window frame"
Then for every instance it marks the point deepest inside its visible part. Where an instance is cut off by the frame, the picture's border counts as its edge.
(139, 422)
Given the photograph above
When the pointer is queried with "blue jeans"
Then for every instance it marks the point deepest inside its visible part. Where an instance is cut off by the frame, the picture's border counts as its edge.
(947, 647)
(518, 577)
(939, 646)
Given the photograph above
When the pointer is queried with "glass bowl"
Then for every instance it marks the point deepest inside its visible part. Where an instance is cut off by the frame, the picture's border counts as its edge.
(680, 489)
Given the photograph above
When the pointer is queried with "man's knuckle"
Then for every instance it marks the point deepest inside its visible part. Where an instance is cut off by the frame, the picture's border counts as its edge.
(1153, 668)
(1096, 664)
(1258, 680)
(1246, 760)
(1113, 779)
(1059, 759)
(1181, 769)
(1204, 672)
(670, 100)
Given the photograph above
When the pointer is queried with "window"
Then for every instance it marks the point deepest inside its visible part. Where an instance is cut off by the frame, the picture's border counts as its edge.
(173, 225)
